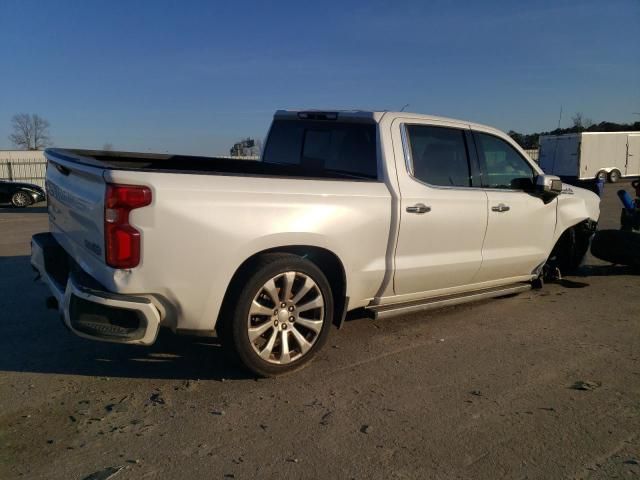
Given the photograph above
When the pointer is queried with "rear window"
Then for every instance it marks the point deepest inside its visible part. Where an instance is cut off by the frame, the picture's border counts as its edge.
(346, 148)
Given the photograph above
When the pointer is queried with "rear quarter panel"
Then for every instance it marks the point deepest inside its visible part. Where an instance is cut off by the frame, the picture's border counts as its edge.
(200, 228)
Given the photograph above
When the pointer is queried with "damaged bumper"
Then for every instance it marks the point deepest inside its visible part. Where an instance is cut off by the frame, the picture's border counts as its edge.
(86, 308)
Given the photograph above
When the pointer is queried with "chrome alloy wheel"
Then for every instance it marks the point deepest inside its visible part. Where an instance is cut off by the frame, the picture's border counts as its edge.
(20, 199)
(286, 318)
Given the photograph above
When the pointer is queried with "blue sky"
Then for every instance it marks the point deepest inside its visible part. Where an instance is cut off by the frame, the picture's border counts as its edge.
(194, 76)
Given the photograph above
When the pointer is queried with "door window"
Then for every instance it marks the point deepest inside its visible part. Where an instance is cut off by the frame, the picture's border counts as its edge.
(502, 165)
(439, 155)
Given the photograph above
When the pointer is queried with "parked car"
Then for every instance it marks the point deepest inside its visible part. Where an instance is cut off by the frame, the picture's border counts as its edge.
(390, 212)
(20, 194)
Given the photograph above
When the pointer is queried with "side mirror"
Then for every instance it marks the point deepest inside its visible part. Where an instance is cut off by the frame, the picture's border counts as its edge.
(548, 187)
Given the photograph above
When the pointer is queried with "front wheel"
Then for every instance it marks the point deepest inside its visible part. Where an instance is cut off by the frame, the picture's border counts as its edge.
(572, 246)
(21, 200)
(281, 316)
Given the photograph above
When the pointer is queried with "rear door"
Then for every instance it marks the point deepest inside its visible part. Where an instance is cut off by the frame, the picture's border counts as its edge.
(520, 225)
(76, 209)
(633, 155)
(443, 217)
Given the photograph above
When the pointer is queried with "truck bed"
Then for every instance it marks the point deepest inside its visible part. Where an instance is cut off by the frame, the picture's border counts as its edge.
(188, 164)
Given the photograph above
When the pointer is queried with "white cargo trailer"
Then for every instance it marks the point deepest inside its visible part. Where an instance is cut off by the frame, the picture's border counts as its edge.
(589, 155)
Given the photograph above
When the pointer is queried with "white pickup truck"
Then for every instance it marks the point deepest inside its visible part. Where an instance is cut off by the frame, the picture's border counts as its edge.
(387, 212)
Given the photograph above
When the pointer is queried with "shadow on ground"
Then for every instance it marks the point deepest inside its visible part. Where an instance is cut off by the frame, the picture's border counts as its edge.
(7, 208)
(33, 339)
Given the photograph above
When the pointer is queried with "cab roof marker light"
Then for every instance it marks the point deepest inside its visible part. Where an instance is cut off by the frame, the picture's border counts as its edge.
(318, 115)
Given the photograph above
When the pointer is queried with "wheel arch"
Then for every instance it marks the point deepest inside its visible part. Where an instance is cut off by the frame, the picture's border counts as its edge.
(572, 244)
(618, 175)
(327, 261)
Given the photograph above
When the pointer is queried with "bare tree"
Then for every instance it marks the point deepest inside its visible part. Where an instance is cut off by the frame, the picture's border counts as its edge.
(30, 132)
(107, 147)
(578, 120)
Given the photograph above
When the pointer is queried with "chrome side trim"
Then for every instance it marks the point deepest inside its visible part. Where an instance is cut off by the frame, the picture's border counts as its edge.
(408, 160)
(387, 311)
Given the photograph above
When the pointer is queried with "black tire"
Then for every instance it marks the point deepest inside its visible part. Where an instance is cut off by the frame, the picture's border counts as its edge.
(617, 246)
(235, 319)
(21, 199)
(602, 175)
(614, 176)
(568, 253)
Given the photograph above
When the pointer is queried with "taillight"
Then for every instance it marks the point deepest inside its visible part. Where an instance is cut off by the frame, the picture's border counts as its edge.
(121, 240)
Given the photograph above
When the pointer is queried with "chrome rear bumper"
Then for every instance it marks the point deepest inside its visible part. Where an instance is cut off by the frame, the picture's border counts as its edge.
(87, 309)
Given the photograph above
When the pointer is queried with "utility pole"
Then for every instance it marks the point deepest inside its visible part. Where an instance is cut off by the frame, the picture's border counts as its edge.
(560, 118)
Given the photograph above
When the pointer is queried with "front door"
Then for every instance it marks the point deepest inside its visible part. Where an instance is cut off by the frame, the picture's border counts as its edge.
(633, 155)
(442, 218)
(520, 225)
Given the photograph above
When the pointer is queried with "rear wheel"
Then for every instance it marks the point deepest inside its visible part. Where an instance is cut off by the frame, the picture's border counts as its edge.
(602, 176)
(614, 176)
(281, 315)
(21, 200)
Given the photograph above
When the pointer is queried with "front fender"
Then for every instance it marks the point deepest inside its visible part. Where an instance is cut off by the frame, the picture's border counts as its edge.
(574, 206)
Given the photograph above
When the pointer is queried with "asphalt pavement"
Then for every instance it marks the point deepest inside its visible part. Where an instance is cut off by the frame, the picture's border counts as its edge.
(544, 385)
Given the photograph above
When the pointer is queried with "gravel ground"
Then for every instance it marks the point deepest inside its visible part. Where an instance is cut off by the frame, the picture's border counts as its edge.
(541, 385)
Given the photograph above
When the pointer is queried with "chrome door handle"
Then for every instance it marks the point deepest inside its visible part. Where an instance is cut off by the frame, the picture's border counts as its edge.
(501, 207)
(418, 208)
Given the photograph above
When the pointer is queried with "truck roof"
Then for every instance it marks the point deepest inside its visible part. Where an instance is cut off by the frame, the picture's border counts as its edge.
(373, 116)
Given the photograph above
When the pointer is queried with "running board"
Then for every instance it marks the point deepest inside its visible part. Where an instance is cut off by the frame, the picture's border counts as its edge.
(385, 311)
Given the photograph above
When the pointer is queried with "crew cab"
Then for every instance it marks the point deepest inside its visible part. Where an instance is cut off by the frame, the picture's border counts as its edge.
(387, 212)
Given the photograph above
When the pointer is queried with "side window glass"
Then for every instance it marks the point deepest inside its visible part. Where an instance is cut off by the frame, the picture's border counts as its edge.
(503, 166)
(439, 155)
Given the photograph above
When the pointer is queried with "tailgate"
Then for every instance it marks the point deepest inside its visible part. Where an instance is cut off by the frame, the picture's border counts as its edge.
(76, 209)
